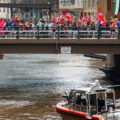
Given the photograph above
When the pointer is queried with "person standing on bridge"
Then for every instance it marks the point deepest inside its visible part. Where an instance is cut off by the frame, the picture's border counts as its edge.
(118, 27)
(112, 27)
(39, 24)
(99, 29)
(23, 29)
(53, 29)
(118, 23)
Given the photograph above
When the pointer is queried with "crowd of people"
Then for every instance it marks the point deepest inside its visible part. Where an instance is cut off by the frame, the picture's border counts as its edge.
(84, 23)
(45, 25)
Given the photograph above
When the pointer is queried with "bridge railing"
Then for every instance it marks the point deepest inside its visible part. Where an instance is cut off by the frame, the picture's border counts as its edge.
(58, 33)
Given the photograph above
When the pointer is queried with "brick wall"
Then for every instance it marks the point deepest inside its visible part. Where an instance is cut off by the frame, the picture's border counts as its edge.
(102, 4)
(107, 7)
(110, 9)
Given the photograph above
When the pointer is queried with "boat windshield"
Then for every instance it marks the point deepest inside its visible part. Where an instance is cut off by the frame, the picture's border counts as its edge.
(81, 99)
(110, 101)
(92, 104)
(78, 99)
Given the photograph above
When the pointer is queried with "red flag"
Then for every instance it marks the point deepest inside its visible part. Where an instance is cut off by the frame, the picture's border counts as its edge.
(13, 17)
(116, 16)
(61, 17)
(100, 15)
(87, 20)
(68, 16)
(55, 19)
(80, 21)
(2, 25)
(23, 26)
(16, 22)
(103, 23)
(100, 18)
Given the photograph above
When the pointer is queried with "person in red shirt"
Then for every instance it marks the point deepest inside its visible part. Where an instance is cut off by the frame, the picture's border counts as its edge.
(16, 23)
(64, 26)
(112, 27)
(53, 29)
(23, 26)
(23, 29)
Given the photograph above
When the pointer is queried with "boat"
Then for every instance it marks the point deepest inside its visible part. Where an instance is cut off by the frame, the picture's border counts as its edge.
(1, 55)
(95, 102)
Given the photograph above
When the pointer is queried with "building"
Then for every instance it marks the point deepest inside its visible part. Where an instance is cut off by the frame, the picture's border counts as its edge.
(74, 6)
(107, 8)
(31, 9)
(79, 6)
(90, 7)
(5, 13)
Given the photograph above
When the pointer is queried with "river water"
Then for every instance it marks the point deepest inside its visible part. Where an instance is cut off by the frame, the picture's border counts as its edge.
(31, 85)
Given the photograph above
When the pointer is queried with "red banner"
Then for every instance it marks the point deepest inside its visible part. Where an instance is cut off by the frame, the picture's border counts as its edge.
(100, 18)
(68, 16)
(55, 19)
(2, 25)
(61, 17)
(80, 21)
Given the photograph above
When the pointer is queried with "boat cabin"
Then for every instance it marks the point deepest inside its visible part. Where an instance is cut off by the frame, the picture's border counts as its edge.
(93, 100)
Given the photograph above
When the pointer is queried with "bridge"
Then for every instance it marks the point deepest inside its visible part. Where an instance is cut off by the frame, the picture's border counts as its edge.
(75, 41)
(51, 46)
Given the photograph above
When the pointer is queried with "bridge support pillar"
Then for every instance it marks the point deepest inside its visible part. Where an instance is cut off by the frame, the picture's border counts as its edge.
(113, 61)
(112, 68)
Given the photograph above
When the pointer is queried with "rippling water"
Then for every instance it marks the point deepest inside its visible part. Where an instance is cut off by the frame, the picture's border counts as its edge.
(31, 85)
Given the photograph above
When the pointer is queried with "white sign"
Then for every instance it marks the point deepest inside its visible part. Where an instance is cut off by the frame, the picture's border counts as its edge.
(66, 50)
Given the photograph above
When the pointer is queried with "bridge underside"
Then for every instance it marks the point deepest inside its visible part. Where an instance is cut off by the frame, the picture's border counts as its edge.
(50, 46)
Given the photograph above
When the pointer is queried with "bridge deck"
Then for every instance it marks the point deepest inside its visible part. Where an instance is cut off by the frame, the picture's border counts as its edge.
(49, 46)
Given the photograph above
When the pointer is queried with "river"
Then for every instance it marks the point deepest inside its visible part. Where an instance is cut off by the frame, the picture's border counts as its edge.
(32, 85)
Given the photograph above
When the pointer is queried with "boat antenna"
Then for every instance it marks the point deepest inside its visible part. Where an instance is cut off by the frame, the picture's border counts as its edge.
(113, 86)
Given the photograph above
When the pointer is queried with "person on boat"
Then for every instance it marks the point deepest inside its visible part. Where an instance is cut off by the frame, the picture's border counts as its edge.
(72, 100)
(101, 103)
(78, 101)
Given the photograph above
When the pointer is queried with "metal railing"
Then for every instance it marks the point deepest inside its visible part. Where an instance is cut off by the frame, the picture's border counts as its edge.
(115, 115)
(58, 33)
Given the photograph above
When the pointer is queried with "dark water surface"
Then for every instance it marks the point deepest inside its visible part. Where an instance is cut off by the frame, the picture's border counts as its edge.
(31, 85)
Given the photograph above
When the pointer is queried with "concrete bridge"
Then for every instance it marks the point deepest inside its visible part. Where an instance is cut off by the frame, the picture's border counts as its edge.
(51, 46)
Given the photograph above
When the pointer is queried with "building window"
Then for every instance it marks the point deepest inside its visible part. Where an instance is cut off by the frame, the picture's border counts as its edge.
(68, 2)
(93, 3)
(3, 9)
(8, 10)
(85, 3)
(88, 3)
(109, 4)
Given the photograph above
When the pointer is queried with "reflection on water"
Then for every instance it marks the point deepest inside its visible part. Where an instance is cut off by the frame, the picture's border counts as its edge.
(31, 85)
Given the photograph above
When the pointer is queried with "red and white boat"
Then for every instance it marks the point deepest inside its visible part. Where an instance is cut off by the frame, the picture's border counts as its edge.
(1, 55)
(92, 103)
